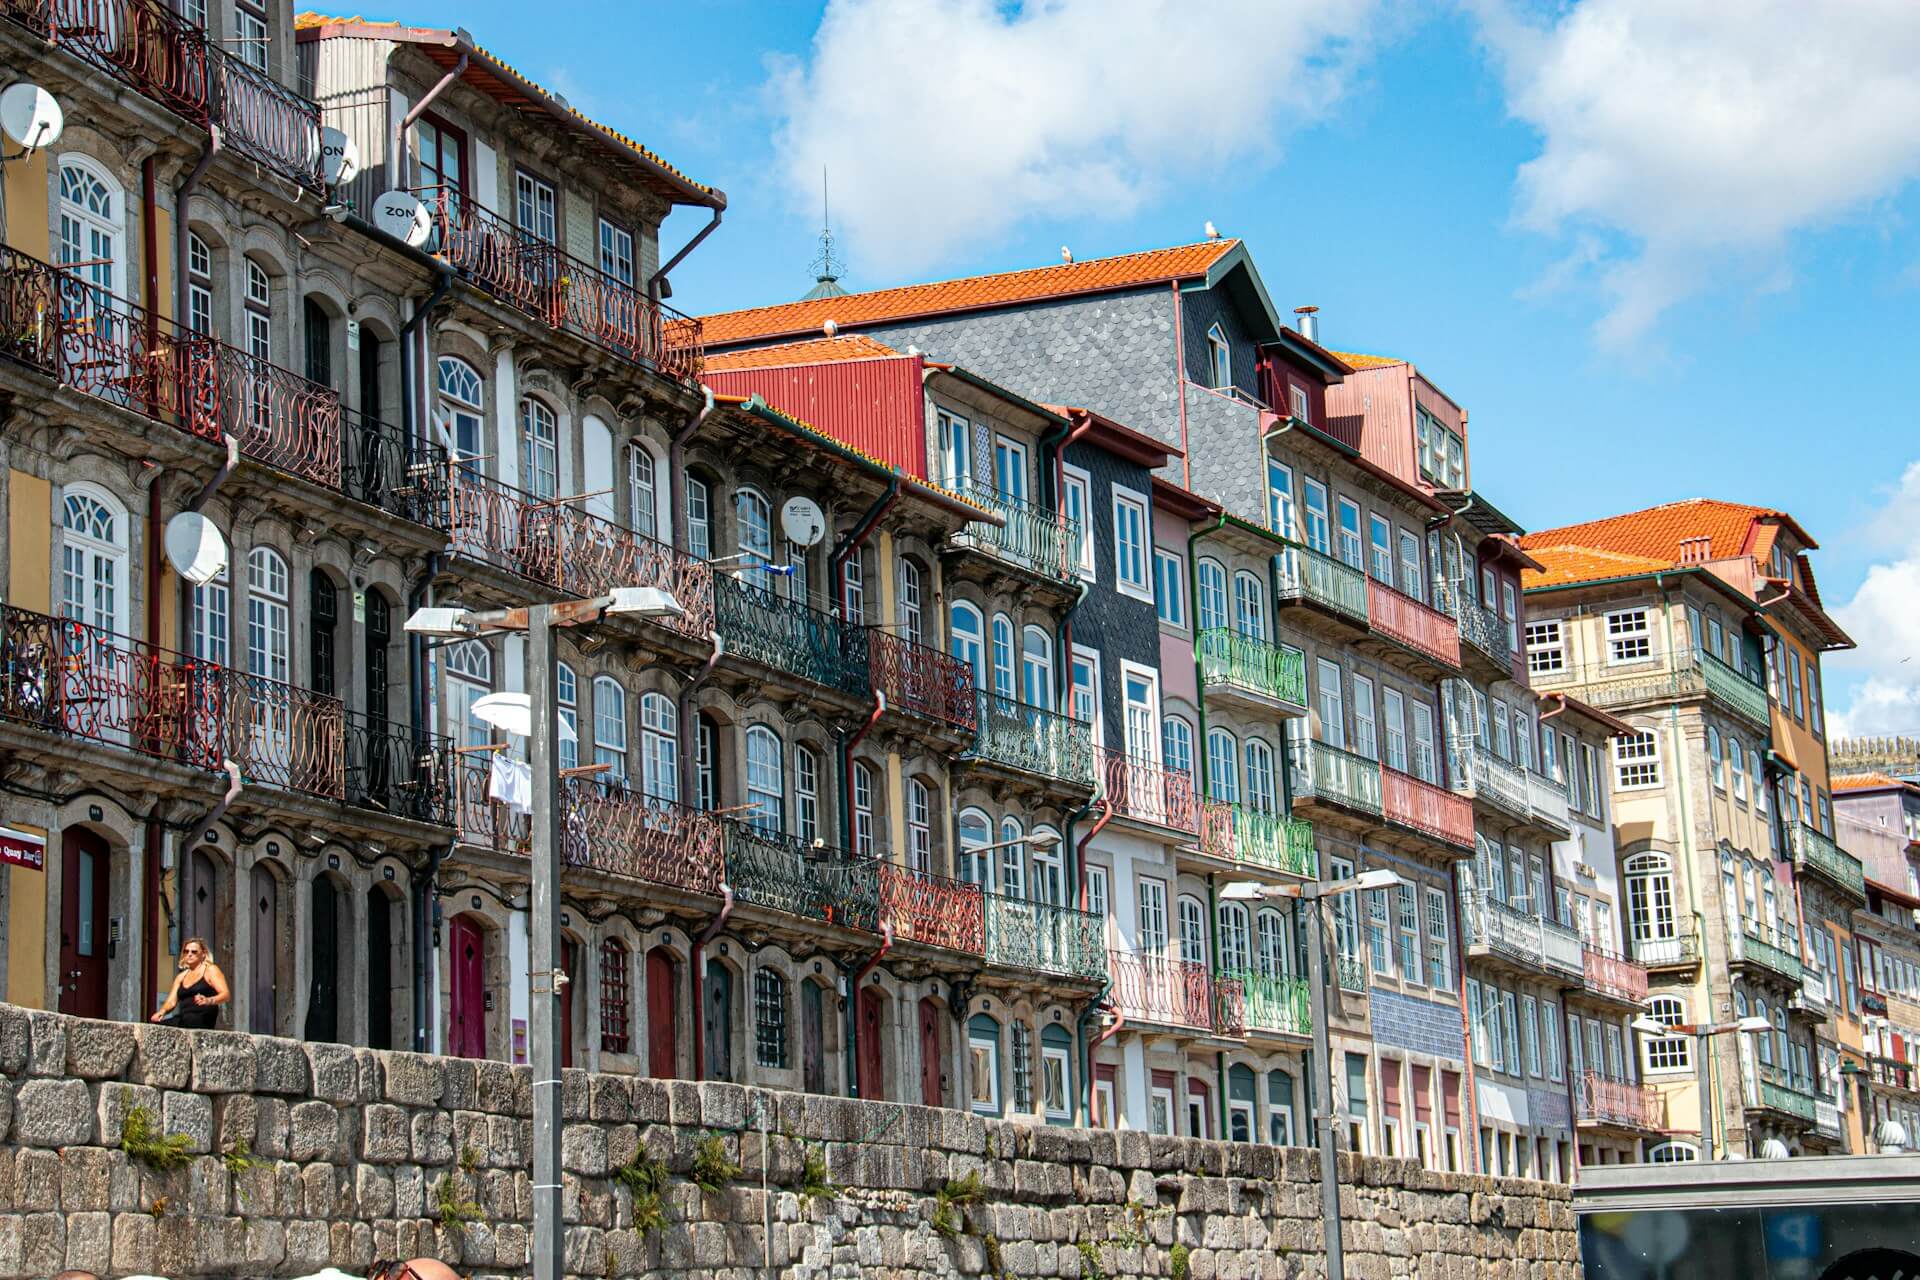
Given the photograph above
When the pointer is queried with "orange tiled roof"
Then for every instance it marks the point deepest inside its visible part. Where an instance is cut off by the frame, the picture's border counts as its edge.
(1872, 781)
(812, 351)
(1359, 361)
(1568, 564)
(1006, 288)
(1659, 531)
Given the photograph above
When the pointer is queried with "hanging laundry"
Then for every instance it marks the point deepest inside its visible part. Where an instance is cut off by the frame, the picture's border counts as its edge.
(511, 783)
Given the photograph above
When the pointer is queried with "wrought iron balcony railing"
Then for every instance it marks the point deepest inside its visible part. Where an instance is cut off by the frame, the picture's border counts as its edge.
(1422, 806)
(790, 636)
(1826, 1118)
(1779, 1090)
(1351, 972)
(1614, 976)
(1753, 942)
(390, 769)
(1310, 577)
(934, 909)
(919, 678)
(382, 472)
(1164, 991)
(1274, 1002)
(108, 347)
(1147, 791)
(1521, 937)
(1036, 539)
(542, 280)
(145, 45)
(1485, 630)
(784, 873)
(1400, 617)
(571, 550)
(1674, 944)
(1619, 1104)
(1335, 775)
(1817, 852)
(1269, 672)
(1690, 673)
(1034, 740)
(1812, 998)
(1478, 772)
(1025, 934)
(1277, 841)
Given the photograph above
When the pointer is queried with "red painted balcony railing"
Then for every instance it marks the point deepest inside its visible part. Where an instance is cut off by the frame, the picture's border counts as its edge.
(542, 280)
(263, 121)
(1216, 828)
(571, 550)
(1424, 807)
(919, 678)
(285, 736)
(1615, 1102)
(934, 909)
(1148, 791)
(1162, 990)
(1401, 617)
(109, 347)
(1614, 975)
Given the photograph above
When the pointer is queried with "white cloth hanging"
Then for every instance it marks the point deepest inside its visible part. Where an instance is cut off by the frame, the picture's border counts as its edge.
(511, 783)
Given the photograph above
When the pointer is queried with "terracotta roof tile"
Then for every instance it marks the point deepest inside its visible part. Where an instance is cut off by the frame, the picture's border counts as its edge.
(813, 351)
(1863, 781)
(1006, 288)
(1568, 564)
(1359, 361)
(1659, 531)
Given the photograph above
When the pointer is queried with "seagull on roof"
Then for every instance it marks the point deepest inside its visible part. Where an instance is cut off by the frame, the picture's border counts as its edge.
(1066, 254)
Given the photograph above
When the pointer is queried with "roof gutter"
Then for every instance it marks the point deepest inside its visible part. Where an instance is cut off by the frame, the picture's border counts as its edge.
(657, 287)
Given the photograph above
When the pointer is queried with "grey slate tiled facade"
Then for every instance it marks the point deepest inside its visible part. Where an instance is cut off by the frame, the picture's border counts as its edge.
(1119, 626)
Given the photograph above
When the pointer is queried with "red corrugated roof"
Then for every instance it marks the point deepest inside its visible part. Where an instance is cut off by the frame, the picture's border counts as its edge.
(1096, 275)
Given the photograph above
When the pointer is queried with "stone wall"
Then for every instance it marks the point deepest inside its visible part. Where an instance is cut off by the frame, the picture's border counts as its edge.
(346, 1151)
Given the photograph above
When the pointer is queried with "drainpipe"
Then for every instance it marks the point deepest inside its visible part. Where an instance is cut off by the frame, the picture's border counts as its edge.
(657, 281)
(677, 468)
(1220, 1057)
(1083, 1096)
(412, 412)
(847, 744)
(1180, 384)
(180, 233)
(856, 536)
(422, 922)
(696, 960)
(1470, 1089)
(413, 386)
(1106, 1033)
(689, 722)
(399, 141)
(150, 255)
(853, 1008)
(1080, 850)
(1054, 444)
(183, 862)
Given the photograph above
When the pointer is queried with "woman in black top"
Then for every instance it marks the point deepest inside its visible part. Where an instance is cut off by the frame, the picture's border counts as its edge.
(199, 989)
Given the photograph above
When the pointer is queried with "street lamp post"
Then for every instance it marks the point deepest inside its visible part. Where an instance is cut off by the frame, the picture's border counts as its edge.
(1310, 895)
(546, 976)
(1702, 1032)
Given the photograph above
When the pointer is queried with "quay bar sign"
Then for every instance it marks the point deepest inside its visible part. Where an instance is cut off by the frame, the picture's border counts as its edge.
(23, 849)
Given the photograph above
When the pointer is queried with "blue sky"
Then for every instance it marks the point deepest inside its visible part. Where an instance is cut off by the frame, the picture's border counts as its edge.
(1655, 257)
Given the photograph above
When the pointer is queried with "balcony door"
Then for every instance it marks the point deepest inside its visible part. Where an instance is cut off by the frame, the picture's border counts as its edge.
(931, 1058)
(85, 866)
(91, 250)
(1010, 467)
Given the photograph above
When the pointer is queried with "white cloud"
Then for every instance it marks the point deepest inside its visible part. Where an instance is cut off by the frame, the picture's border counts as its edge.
(945, 122)
(1884, 619)
(1700, 134)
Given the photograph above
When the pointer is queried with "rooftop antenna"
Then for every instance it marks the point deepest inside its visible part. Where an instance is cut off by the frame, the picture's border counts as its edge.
(826, 267)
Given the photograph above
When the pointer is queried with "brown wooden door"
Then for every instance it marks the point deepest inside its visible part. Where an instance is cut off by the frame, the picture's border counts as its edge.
(569, 961)
(932, 1064)
(265, 913)
(813, 1053)
(663, 1047)
(872, 1003)
(468, 1002)
(717, 1027)
(85, 864)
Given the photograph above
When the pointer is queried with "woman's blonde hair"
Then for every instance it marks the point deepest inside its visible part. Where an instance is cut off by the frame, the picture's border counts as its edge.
(206, 952)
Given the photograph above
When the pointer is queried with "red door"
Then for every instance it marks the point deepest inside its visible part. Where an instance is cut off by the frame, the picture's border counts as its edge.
(85, 860)
(932, 1065)
(663, 1049)
(469, 997)
(569, 961)
(871, 1002)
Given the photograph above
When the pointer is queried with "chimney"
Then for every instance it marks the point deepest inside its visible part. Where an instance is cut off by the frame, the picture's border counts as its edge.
(1697, 550)
(1308, 323)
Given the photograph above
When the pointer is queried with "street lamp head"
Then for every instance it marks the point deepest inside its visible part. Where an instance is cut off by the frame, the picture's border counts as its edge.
(644, 602)
(1381, 878)
(1043, 840)
(1243, 891)
(440, 623)
(1757, 1026)
(1649, 1027)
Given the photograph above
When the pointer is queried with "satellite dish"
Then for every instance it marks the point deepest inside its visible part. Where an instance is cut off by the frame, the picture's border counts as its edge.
(401, 215)
(195, 548)
(29, 115)
(339, 156)
(802, 521)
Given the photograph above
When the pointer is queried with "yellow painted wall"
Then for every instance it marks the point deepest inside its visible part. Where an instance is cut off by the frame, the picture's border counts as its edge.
(28, 224)
(27, 929)
(29, 542)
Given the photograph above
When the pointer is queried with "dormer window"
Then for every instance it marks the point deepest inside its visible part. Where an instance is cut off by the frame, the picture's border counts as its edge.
(1302, 407)
(1219, 357)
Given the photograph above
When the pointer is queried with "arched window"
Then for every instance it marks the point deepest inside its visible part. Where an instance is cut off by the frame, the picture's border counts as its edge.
(1003, 655)
(1212, 602)
(1249, 606)
(1193, 929)
(1718, 758)
(539, 449)
(463, 404)
(769, 1018)
(753, 532)
(1223, 766)
(616, 1014)
(199, 285)
(912, 623)
(853, 587)
(706, 762)
(1672, 1152)
(919, 825)
(642, 498)
(212, 622)
(469, 679)
(610, 728)
(1176, 746)
(1013, 858)
(1650, 918)
(764, 790)
(1036, 668)
(1049, 869)
(806, 793)
(966, 637)
(699, 518)
(1260, 790)
(566, 696)
(1236, 950)
(660, 746)
(1270, 936)
(91, 216)
(1667, 1053)
(259, 311)
(268, 613)
(1762, 1041)
(975, 834)
(93, 558)
(862, 809)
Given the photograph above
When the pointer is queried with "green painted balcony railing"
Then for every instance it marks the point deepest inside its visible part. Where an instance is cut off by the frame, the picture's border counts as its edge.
(1275, 840)
(1308, 575)
(1275, 1002)
(1779, 1091)
(1252, 665)
(1034, 740)
(784, 873)
(1728, 686)
(790, 636)
(1688, 674)
(1755, 943)
(1817, 852)
(1024, 934)
(1033, 537)
(1336, 776)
